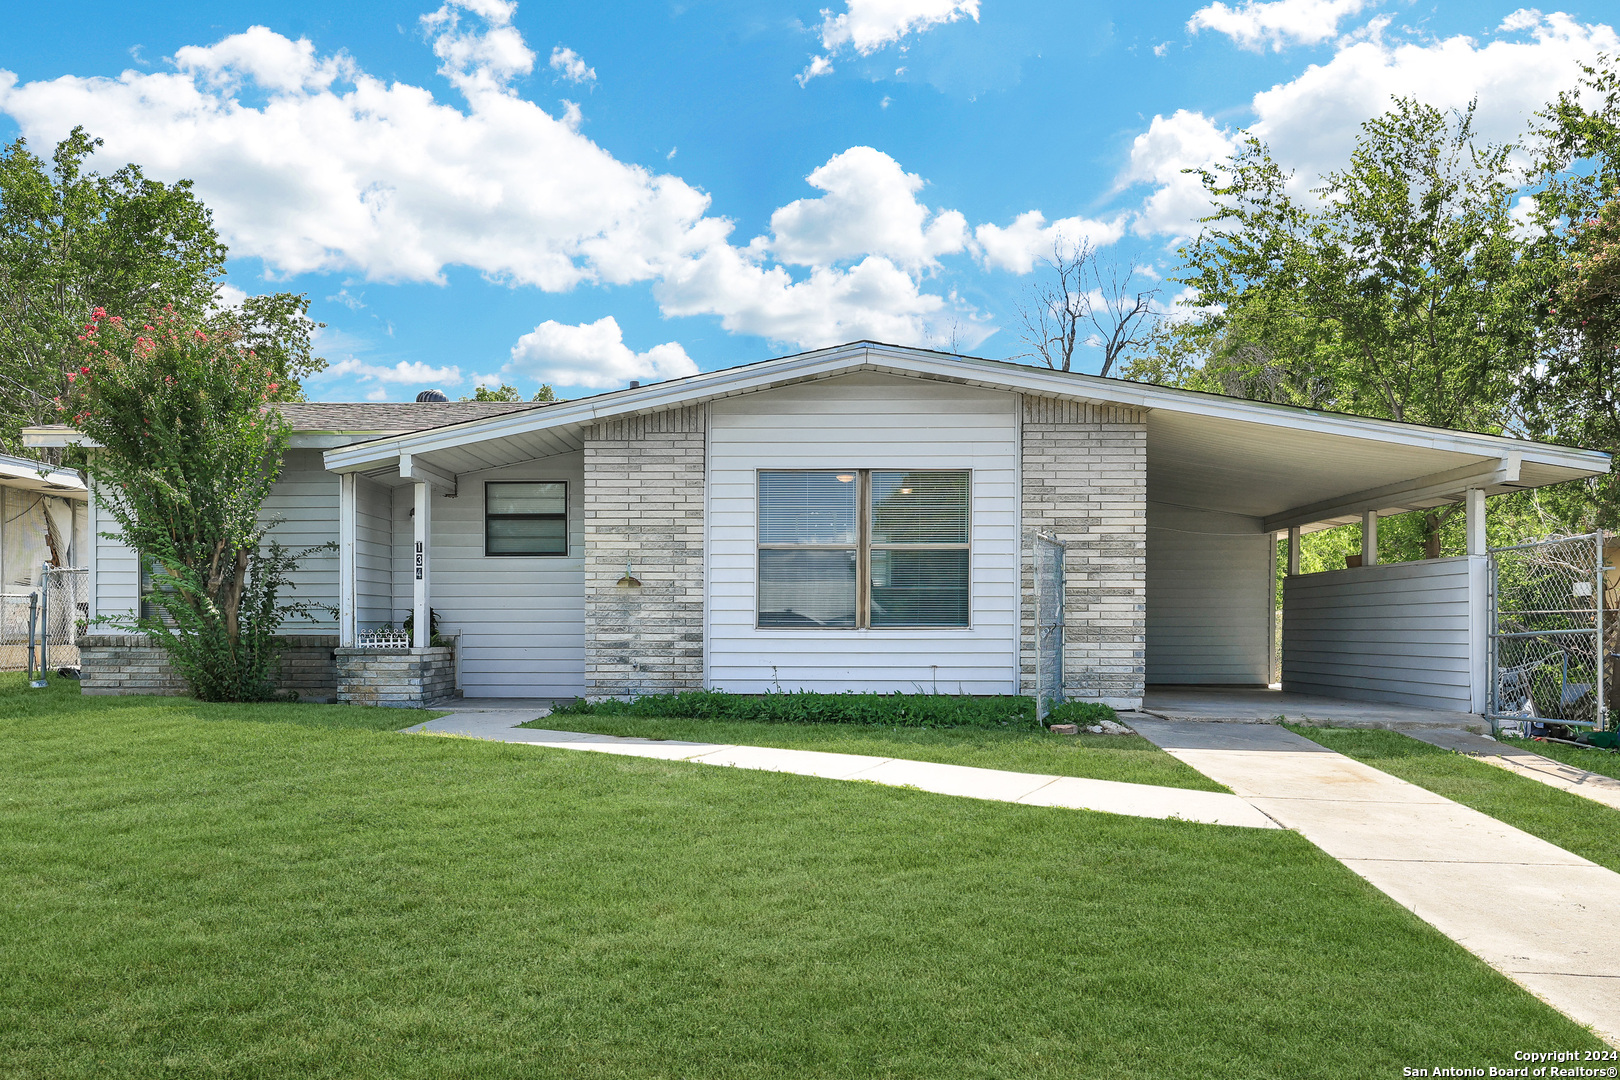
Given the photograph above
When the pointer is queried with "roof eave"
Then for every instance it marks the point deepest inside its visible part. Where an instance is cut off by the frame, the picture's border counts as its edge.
(993, 374)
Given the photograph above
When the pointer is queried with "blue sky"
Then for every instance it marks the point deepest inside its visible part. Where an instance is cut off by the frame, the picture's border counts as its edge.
(584, 194)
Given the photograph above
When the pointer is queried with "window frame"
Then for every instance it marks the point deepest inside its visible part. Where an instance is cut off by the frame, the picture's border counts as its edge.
(564, 516)
(863, 551)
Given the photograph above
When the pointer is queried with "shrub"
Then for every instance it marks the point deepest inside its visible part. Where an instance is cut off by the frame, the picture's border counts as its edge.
(1080, 712)
(806, 707)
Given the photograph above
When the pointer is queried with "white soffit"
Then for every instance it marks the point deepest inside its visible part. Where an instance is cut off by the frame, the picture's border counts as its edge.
(16, 472)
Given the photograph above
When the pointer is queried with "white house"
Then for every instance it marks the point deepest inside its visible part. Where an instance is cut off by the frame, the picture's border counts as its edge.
(868, 517)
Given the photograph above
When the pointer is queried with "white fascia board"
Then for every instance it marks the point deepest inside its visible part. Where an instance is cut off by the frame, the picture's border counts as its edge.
(999, 375)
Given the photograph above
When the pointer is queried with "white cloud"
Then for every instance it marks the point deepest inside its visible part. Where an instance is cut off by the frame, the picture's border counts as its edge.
(1254, 24)
(818, 66)
(1029, 239)
(312, 165)
(414, 372)
(1184, 140)
(567, 63)
(593, 355)
(870, 208)
(340, 171)
(1311, 122)
(873, 299)
(869, 25)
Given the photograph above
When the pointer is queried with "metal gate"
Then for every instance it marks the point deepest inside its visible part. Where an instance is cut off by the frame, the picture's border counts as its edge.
(60, 609)
(1546, 633)
(1046, 553)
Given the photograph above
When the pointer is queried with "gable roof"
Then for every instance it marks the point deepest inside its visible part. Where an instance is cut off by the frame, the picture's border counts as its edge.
(393, 417)
(1283, 464)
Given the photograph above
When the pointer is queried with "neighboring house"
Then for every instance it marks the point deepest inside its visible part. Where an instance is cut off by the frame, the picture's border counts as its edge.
(43, 519)
(866, 518)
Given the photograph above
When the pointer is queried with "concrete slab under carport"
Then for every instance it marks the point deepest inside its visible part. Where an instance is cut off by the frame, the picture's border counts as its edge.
(1256, 705)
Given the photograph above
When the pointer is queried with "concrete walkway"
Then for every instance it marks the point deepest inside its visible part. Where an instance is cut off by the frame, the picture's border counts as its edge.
(1588, 785)
(1258, 706)
(1107, 796)
(1530, 909)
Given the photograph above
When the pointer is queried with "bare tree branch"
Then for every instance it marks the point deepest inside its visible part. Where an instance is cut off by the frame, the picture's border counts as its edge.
(1083, 302)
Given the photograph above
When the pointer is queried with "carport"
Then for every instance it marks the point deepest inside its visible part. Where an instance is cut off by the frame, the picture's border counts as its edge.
(1224, 487)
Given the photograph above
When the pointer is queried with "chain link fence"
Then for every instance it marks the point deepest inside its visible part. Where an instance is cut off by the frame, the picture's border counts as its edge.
(1546, 633)
(61, 612)
(1047, 556)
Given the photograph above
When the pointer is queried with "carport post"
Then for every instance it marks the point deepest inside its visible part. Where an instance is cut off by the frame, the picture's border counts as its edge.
(1293, 551)
(1369, 538)
(1474, 507)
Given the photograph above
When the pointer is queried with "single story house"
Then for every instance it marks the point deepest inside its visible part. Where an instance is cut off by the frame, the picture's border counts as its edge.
(870, 517)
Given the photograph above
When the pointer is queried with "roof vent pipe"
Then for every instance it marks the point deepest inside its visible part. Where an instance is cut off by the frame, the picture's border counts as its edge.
(432, 395)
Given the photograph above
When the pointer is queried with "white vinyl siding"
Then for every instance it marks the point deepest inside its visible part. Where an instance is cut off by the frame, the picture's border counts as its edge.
(1209, 590)
(305, 497)
(373, 557)
(863, 421)
(519, 621)
(1410, 633)
(117, 574)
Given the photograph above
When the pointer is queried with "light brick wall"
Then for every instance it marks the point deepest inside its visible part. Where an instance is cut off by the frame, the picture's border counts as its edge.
(131, 664)
(644, 483)
(395, 678)
(1085, 482)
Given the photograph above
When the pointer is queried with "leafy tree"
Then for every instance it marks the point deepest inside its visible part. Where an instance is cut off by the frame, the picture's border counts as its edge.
(510, 393)
(1572, 393)
(1396, 292)
(72, 241)
(187, 453)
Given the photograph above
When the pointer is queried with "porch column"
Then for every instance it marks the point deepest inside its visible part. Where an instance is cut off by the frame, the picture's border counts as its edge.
(421, 521)
(348, 522)
(1474, 506)
(1293, 551)
(1369, 538)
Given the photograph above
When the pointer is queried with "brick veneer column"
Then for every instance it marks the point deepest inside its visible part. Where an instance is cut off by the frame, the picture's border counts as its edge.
(644, 482)
(1085, 482)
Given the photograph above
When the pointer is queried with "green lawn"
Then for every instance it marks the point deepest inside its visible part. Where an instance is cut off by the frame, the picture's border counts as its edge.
(217, 891)
(1127, 758)
(1591, 830)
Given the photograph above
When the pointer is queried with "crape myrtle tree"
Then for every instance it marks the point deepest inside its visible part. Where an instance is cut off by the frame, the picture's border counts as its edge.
(188, 446)
(1395, 292)
(72, 240)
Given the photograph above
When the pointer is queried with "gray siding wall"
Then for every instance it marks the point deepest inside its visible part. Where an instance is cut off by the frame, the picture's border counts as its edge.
(1409, 633)
(373, 555)
(306, 498)
(519, 621)
(1209, 597)
(1084, 478)
(864, 421)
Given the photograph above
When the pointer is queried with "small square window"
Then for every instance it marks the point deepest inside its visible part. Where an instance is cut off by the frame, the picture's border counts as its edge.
(526, 518)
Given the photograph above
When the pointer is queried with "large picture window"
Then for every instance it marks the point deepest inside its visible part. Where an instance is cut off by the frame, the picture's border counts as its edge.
(852, 548)
(526, 518)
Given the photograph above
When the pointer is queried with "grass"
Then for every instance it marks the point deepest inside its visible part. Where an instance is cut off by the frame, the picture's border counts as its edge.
(1127, 758)
(996, 712)
(1590, 830)
(293, 891)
